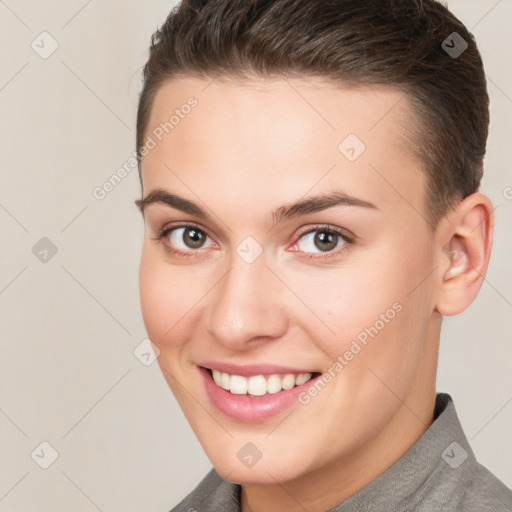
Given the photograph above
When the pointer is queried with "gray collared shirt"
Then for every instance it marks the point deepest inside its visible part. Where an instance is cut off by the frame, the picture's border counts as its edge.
(439, 473)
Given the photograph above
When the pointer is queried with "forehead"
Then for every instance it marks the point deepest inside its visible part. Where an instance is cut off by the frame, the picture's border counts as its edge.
(271, 135)
(285, 106)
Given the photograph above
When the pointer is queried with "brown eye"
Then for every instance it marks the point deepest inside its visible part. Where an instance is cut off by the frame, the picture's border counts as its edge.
(325, 241)
(193, 238)
(187, 237)
(321, 240)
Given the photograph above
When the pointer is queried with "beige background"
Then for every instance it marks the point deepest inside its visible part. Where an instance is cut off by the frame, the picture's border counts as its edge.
(69, 326)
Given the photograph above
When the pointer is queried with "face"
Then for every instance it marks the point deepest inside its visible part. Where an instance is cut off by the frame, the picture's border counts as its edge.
(286, 271)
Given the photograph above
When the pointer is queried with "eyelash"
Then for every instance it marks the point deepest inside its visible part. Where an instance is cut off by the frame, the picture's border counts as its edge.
(314, 256)
(324, 228)
(165, 232)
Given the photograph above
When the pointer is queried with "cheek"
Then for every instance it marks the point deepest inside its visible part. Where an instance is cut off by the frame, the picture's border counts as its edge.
(346, 299)
(167, 298)
(376, 296)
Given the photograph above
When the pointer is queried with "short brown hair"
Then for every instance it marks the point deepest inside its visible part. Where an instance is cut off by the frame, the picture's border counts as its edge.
(354, 43)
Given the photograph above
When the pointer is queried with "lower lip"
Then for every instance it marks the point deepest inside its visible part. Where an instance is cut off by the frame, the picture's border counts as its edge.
(251, 409)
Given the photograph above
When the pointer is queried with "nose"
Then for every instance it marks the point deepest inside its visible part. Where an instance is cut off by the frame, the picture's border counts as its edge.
(246, 306)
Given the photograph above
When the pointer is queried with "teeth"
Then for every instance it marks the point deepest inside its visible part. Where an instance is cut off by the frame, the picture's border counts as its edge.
(238, 385)
(225, 380)
(302, 378)
(288, 382)
(217, 377)
(274, 384)
(258, 385)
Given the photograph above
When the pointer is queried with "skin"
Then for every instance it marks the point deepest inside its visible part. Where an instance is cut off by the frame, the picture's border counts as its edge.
(246, 150)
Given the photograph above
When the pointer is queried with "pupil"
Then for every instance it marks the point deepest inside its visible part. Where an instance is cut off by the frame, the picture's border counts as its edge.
(193, 238)
(326, 241)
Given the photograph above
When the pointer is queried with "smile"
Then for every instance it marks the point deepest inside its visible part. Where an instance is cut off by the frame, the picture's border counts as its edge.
(261, 393)
(258, 385)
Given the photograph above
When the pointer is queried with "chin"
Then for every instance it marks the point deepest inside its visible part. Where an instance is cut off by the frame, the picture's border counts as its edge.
(269, 469)
(257, 475)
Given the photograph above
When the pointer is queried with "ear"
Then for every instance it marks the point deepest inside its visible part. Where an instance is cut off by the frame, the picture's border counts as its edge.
(464, 247)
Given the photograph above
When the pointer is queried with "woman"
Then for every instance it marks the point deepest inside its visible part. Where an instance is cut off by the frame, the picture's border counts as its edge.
(310, 175)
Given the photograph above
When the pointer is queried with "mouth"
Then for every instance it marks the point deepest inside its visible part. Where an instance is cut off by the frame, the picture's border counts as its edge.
(256, 396)
(259, 385)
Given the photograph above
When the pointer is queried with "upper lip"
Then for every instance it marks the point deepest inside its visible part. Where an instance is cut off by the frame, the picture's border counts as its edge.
(249, 370)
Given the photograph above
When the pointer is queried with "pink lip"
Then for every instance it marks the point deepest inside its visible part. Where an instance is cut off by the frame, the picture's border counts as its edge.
(248, 370)
(248, 408)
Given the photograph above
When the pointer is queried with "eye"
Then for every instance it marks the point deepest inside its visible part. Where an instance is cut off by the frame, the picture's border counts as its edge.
(322, 240)
(184, 239)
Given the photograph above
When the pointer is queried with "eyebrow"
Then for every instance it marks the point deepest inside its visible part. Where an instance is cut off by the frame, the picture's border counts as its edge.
(302, 207)
(160, 196)
(318, 203)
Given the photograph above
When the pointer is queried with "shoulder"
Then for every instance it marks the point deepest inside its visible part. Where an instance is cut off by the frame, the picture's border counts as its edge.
(212, 494)
(440, 473)
(460, 483)
(483, 491)
(460, 480)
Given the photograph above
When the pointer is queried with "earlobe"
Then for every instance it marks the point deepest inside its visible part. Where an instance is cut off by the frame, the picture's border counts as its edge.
(465, 253)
